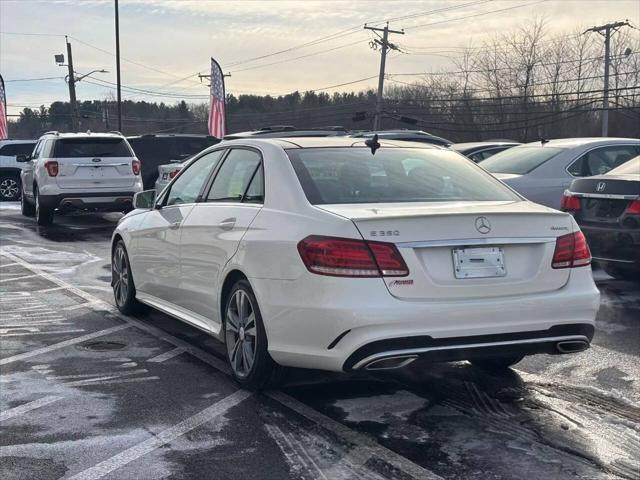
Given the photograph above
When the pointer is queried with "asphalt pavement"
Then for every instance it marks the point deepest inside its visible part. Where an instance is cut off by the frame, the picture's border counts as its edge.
(88, 393)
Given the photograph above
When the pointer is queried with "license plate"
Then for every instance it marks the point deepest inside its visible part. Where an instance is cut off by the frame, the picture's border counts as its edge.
(478, 262)
(95, 172)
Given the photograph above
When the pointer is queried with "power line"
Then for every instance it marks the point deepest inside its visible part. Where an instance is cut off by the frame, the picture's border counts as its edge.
(33, 79)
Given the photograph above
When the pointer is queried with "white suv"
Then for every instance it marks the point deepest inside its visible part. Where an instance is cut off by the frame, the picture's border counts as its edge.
(10, 168)
(79, 171)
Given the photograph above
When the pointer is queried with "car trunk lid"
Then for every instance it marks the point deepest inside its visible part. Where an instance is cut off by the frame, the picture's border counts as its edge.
(466, 249)
(98, 172)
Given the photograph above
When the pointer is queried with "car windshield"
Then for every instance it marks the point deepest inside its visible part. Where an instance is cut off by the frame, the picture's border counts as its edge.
(520, 160)
(355, 175)
(631, 167)
(91, 147)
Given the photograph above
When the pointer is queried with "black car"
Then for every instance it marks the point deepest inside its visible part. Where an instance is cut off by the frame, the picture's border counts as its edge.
(406, 135)
(276, 131)
(607, 208)
(479, 151)
(158, 149)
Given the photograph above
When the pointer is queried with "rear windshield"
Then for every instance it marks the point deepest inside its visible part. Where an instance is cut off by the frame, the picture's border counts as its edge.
(631, 167)
(520, 160)
(91, 147)
(354, 175)
(15, 149)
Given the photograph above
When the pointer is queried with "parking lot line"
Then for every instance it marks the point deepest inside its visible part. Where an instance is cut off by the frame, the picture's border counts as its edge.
(133, 453)
(27, 407)
(166, 355)
(66, 343)
(367, 447)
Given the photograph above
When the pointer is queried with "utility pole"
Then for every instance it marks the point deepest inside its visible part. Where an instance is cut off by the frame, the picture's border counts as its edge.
(384, 43)
(118, 68)
(609, 29)
(72, 89)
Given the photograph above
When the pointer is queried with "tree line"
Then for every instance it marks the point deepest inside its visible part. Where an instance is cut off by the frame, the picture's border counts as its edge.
(522, 85)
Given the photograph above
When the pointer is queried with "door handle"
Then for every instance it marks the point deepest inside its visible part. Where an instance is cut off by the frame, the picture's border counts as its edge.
(175, 225)
(227, 224)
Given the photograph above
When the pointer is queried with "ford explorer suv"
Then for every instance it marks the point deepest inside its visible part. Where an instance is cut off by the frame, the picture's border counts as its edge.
(10, 168)
(78, 171)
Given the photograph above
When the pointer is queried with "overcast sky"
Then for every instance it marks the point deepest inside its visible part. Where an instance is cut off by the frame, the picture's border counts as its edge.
(164, 41)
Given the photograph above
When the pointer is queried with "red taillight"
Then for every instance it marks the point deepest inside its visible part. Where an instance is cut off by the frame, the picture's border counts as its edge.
(571, 251)
(570, 202)
(135, 167)
(634, 207)
(52, 168)
(345, 257)
(173, 173)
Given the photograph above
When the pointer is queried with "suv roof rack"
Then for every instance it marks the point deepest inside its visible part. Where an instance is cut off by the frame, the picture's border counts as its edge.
(51, 132)
(291, 128)
(116, 132)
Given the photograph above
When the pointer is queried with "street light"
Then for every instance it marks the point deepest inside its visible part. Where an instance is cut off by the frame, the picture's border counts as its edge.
(78, 78)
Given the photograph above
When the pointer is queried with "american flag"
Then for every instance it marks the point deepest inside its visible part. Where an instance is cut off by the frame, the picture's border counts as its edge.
(3, 111)
(216, 110)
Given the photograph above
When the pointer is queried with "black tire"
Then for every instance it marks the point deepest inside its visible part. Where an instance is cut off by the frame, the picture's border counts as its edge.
(496, 363)
(262, 372)
(622, 274)
(44, 215)
(27, 209)
(9, 187)
(124, 290)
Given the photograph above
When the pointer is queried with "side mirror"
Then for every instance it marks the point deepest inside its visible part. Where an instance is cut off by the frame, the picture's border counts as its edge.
(144, 200)
(23, 158)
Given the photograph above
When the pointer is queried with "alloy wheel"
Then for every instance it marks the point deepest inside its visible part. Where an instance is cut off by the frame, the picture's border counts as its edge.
(120, 276)
(9, 189)
(240, 333)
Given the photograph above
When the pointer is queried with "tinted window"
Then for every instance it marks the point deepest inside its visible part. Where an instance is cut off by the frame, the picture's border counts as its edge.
(186, 188)
(632, 167)
(600, 160)
(15, 149)
(520, 160)
(91, 147)
(255, 192)
(484, 154)
(354, 175)
(234, 176)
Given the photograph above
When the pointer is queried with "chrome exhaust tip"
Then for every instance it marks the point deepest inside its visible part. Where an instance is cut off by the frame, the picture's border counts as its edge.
(390, 363)
(572, 346)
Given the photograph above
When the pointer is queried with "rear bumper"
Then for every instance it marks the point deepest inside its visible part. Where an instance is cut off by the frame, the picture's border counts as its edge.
(103, 201)
(614, 245)
(396, 352)
(333, 324)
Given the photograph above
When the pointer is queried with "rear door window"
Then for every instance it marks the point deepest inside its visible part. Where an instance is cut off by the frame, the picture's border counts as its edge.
(91, 147)
(601, 160)
(234, 177)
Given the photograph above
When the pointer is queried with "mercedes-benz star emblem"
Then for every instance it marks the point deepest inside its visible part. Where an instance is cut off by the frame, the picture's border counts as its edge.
(483, 225)
(600, 186)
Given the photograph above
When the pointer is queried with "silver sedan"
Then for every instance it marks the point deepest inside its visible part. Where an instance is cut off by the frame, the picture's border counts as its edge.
(541, 171)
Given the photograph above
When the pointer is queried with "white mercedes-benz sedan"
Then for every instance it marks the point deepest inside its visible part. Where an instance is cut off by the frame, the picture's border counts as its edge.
(344, 254)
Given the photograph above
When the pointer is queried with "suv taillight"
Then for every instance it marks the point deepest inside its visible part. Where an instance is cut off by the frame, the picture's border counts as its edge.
(571, 251)
(52, 168)
(569, 202)
(634, 207)
(173, 173)
(135, 167)
(346, 257)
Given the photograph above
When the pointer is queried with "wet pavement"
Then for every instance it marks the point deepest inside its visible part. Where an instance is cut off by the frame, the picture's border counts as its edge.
(88, 393)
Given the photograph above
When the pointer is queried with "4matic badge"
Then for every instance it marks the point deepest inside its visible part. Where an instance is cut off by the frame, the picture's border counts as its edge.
(400, 283)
